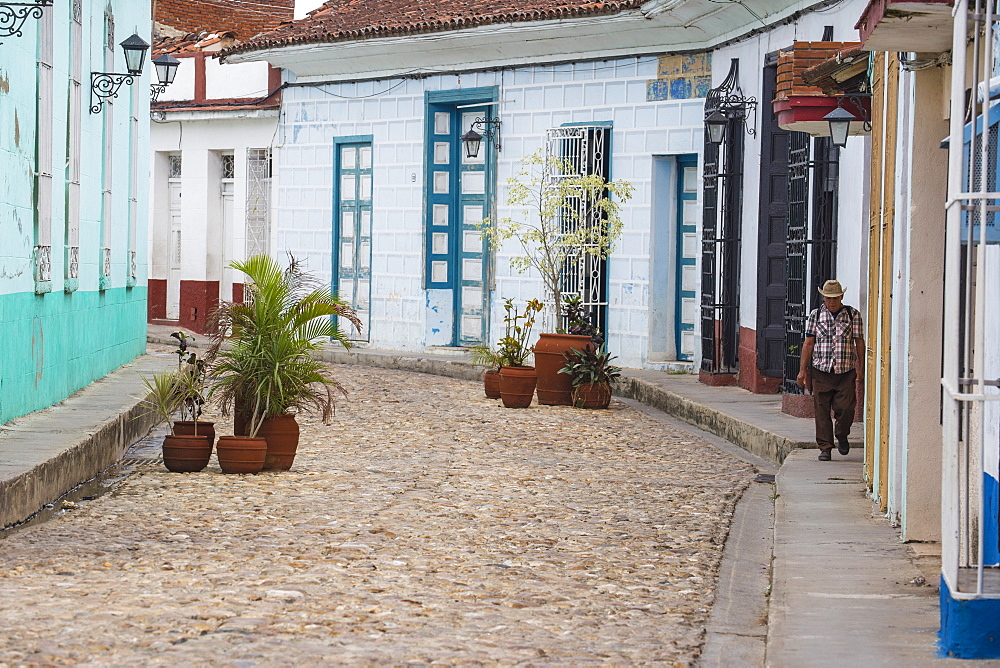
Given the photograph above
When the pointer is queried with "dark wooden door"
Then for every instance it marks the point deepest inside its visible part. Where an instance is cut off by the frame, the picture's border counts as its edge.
(773, 228)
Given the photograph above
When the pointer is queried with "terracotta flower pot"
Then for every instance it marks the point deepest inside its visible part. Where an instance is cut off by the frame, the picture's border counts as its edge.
(517, 386)
(187, 428)
(596, 395)
(554, 388)
(241, 454)
(186, 454)
(282, 435)
(491, 384)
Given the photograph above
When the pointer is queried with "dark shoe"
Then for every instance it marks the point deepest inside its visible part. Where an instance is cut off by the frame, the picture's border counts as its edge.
(843, 447)
(824, 456)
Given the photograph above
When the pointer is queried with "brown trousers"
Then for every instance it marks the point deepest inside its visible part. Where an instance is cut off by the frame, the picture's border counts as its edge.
(833, 393)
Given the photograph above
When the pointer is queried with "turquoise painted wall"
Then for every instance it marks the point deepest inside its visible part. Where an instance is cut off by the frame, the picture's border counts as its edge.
(69, 340)
(59, 336)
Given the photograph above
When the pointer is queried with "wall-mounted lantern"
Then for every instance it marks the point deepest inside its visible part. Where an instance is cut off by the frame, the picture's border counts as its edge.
(716, 123)
(166, 69)
(840, 124)
(840, 119)
(473, 140)
(105, 85)
(725, 103)
(13, 15)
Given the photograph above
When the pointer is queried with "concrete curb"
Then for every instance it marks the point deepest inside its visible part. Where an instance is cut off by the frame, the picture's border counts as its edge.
(43, 455)
(769, 445)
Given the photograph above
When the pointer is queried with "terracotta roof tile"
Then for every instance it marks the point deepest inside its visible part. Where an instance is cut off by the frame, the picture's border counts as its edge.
(245, 18)
(345, 20)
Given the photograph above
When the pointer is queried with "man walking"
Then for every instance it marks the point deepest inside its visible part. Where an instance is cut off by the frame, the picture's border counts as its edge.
(832, 364)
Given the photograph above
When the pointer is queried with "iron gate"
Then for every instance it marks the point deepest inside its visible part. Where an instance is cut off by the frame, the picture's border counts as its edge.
(584, 149)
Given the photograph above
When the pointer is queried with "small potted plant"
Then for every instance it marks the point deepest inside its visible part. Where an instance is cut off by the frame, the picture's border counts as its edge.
(483, 355)
(592, 375)
(517, 378)
(565, 216)
(191, 377)
(181, 453)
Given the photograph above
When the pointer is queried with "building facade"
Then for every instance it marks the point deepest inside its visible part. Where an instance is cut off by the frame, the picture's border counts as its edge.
(72, 242)
(211, 136)
(375, 192)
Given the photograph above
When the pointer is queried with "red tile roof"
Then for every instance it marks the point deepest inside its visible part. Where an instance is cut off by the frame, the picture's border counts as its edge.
(344, 20)
(246, 18)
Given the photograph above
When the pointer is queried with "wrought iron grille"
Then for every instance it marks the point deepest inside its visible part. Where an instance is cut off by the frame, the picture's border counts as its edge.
(720, 252)
(176, 165)
(258, 201)
(584, 149)
(106, 262)
(811, 248)
(132, 268)
(722, 209)
(72, 262)
(228, 166)
(43, 263)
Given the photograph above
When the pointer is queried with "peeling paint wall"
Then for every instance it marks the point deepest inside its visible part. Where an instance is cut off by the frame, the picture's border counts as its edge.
(59, 341)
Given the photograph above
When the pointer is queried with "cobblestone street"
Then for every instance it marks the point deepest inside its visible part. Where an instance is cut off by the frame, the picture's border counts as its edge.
(426, 524)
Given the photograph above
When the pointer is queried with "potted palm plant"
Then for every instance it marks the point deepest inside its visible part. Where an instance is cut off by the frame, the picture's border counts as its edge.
(592, 375)
(181, 453)
(267, 371)
(517, 378)
(565, 216)
(483, 355)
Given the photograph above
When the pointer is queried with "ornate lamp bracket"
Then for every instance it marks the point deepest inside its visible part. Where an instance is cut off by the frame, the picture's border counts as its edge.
(728, 99)
(13, 16)
(104, 86)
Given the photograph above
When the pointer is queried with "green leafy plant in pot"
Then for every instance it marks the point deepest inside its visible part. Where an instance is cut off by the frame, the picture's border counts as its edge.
(489, 358)
(592, 376)
(517, 378)
(566, 217)
(182, 453)
(192, 384)
(263, 357)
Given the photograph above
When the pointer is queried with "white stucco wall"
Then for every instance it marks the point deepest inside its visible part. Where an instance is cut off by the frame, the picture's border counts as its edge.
(206, 248)
(534, 99)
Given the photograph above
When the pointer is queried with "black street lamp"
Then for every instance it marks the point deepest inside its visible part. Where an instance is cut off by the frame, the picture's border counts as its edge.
(473, 140)
(840, 125)
(105, 85)
(716, 123)
(166, 69)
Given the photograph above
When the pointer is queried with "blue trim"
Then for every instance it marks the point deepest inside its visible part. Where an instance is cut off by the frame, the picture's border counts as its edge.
(991, 517)
(335, 204)
(602, 124)
(683, 161)
(463, 95)
(354, 139)
(970, 628)
(338, 142)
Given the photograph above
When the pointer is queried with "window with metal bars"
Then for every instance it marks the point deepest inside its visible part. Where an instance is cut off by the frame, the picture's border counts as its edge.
(586, 149)
(722, 202)
(812, 238)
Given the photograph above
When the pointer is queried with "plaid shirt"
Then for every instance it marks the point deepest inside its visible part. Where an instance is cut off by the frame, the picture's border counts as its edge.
(834, 348)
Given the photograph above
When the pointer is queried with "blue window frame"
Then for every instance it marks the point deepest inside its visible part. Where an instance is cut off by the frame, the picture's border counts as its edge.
(459, 192)
(352, 227)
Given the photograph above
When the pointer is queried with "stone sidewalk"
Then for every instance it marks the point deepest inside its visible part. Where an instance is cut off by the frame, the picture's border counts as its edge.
(425, 524)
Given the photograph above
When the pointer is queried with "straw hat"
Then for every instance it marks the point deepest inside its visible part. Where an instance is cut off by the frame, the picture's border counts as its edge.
(832, 289)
